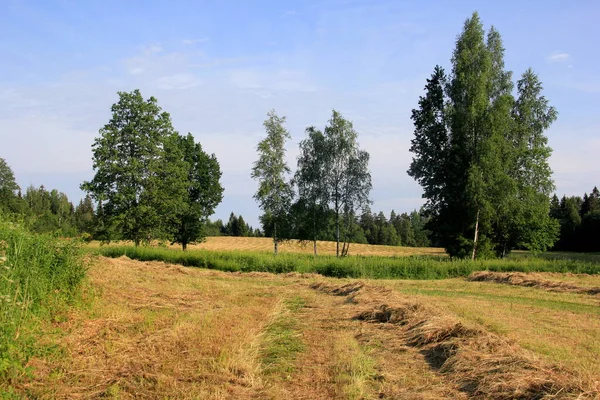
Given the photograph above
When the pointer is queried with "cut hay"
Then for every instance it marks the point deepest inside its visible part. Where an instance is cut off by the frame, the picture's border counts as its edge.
(530, 280)
(481, 363)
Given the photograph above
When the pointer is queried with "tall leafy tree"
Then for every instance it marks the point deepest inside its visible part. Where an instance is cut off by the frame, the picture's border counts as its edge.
(140, 173)
(203, 192)
(275, 192)
(481, 155)
(8, 187)
(346, 175)
(311, 186)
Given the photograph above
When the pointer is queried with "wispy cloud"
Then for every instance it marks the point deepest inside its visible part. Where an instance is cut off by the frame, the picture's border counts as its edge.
(189, 42)
(136, 71)
(152, 49)
(558, 57)
(178, 81)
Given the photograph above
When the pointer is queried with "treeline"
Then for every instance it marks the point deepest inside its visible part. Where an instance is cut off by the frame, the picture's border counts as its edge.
(579, 219)
(406, 229)
(235, 226)
(42, 210)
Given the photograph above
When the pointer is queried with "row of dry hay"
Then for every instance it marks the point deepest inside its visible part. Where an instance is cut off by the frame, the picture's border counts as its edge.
(532, 280)
(482, 364)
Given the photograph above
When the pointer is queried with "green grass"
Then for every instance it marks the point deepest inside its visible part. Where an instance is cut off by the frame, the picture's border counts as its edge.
(283, 340)
(40, 276)
(373, 267)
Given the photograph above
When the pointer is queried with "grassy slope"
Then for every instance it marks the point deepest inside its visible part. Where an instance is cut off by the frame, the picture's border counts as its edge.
(160, 330)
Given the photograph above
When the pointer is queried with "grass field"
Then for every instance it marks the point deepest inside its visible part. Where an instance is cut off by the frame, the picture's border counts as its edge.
(227, 243)
(376, 267)
(231, 329)
(159, 330)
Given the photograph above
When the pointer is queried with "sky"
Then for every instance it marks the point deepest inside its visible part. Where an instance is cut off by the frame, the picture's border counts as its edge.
(219, 66)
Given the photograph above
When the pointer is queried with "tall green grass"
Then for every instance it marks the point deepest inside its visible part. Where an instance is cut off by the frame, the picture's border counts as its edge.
(40, 275)
(374, 267)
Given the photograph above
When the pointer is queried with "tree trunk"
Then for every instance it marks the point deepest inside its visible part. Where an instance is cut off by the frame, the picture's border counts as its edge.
(337, 230)
(314, 232)
(476, 237)
(136, 241)
(184, 245)
(275, 241)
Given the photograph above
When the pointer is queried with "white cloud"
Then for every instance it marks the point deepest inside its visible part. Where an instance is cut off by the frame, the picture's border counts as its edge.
(152, 49)
(178, 81)
(136, 71)
(558, 57)
(189, 42)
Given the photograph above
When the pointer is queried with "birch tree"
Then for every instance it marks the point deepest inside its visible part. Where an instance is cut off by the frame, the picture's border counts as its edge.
(274, 193)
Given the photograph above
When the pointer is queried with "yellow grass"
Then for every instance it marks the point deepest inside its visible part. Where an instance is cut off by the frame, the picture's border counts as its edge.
(295, 246)
(164, 331)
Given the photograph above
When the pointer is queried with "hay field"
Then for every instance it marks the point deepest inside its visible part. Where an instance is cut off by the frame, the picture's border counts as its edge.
(157, 330)
(226, 243)
(323, 247)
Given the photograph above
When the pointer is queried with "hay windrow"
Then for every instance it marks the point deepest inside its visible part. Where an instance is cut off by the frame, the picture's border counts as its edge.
(530, 280)
(481, 363)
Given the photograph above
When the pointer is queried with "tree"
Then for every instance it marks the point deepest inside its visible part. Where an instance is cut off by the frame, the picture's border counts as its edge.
(311, 187)
(346, 177)
(590, 203)
(480, 155)
(140, 178)
(203, 192)
(84, 215)
(8, 187)
(274, 193)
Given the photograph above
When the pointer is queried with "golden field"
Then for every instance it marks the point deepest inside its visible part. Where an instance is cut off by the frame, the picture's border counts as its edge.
(155, 331)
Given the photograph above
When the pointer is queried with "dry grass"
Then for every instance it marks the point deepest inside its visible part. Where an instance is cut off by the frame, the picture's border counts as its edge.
(551, 282)
(560, 328)
(160, 331)
(481, 363)
(226, 243)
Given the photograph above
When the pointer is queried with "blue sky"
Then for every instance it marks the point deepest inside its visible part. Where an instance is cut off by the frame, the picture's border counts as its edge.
(219, 66)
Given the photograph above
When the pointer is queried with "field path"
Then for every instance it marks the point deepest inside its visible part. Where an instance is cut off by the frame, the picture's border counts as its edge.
(159, 331)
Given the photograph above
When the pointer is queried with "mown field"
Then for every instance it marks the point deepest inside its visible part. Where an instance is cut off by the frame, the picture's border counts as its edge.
(158, 330)
(253, 244)
(230, 329)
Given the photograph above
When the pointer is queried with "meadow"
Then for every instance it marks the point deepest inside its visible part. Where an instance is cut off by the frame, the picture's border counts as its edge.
(415, 263)
(247, 324)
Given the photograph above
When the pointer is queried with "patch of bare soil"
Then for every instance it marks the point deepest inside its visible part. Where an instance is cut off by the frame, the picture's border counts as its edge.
(531, 280)
(480, 363)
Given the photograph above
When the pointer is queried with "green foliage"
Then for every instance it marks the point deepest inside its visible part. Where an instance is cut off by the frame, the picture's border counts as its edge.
(274, 193)
(481, 155)
(367, 267)
(347, 179)
(310, 210)
(39, 276)
(204, 191)
(140, 179)
(579, 222)
(8, 189)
